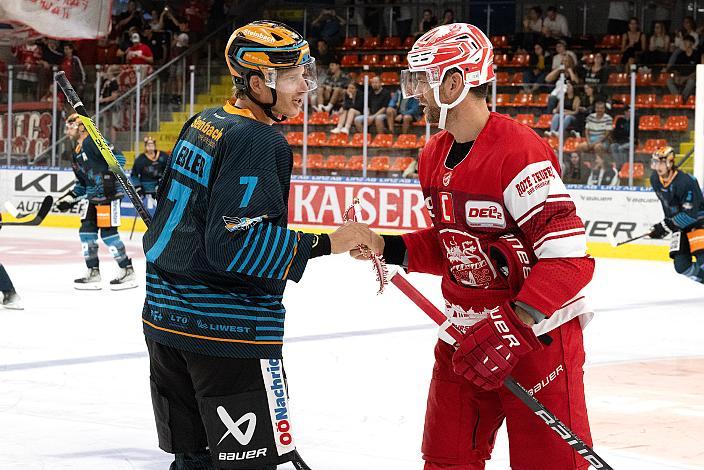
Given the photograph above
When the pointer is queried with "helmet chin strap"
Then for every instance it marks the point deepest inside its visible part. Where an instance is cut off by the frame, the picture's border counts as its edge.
(267, 108)
(444, 107)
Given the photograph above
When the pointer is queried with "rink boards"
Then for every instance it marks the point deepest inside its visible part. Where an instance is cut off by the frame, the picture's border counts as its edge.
(388, 205)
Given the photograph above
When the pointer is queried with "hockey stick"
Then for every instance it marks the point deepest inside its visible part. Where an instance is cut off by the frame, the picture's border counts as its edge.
(510, 383)
(612, 239)
(113, 164)
(44, 209)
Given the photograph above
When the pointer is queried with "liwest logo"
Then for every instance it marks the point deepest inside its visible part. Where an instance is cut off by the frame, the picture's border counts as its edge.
(484, 214)
(233, 428)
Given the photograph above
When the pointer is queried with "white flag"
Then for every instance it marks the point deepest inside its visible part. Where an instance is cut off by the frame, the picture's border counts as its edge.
(60, 19)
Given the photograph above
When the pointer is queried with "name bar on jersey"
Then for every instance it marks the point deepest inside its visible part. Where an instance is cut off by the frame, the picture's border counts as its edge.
(192, 161)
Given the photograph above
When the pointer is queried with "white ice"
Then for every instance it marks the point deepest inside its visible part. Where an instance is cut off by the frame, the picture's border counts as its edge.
(74, 372)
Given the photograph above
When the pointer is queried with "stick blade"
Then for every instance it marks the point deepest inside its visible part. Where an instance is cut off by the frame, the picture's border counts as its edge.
(612, 239)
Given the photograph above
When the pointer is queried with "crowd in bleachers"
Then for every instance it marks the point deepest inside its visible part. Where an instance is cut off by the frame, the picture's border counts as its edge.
(529, 65)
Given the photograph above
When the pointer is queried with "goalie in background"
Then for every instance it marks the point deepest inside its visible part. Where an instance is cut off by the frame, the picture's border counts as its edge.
(683, 205)
(95, 183)
(148, 169)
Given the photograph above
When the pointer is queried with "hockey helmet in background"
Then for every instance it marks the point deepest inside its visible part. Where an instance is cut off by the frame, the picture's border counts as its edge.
(275, 52)
(460, 46)
(73, 121)
(666, 154)
(149, 139)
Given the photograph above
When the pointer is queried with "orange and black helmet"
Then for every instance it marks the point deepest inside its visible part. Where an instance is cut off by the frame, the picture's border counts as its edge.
(264, 45)
(666, 154)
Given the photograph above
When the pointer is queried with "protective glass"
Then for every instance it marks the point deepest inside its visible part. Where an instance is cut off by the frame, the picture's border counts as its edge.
(301, 78)
(414, 84)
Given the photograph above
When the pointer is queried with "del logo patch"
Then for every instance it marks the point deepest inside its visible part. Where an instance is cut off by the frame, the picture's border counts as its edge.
(484, 214)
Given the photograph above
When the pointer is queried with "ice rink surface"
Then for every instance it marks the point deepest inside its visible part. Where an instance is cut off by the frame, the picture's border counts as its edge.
(74, 388)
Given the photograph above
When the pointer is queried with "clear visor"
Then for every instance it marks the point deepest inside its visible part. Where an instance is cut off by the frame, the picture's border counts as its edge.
(655, 161)
(414, 84)
(298, 79)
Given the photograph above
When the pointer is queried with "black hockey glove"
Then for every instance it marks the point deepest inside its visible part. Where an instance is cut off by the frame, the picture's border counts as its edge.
(109, 186)
(660, 230)
(67, 201)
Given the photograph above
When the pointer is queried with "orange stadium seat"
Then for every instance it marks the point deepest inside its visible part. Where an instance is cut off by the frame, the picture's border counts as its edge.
(370, 59)
(544, 121)
(408, 42)
(297, 160)
(523, 99)
(349, 60)
(317, 139)
(391, 42)
(638, 171)
(351, 43)
(500, 42)
(294, 138)
(502, 78)
(618, 79)
(647, 100)
(517, 78)
(371, 42)
(421, 142)
(670, 101)
(526, 119)
(401, 163)
(651, 145)
(338, 140)
(315, 161)
(661, 79)
(609, 41)
(649, 123)
(690, 102)
(570, 145)
(319, 117)
(354, 163)
(366, 73)
(624, 98)
(541, 101)
(382, 140)
(503, 99)
(358, 140)
(379, 163)
(644, 79)
(336, 162)
(500, 59)
(390, 78)
(552, 141)
(391, 60)
(520, 60)
(613, 58)
(406, 141)
(295, 120)
(676, 124)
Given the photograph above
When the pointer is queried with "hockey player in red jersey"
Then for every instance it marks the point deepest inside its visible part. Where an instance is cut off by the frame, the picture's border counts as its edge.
(492, 186)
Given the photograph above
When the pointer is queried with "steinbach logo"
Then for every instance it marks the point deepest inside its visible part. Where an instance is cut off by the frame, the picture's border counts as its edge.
(484, 214)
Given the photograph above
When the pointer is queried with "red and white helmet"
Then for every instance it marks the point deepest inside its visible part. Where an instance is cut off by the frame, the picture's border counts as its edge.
(458, 45)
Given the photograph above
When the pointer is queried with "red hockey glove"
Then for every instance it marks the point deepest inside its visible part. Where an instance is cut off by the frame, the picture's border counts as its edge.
(492, 347)
(513, 260)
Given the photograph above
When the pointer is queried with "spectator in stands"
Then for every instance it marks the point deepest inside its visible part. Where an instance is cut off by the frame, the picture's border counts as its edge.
(632, 43)
(109, 92)
(572, 72)
(194, 13)
(448, 16)
(689, 28)
(603, 172)
(130, 18)
(532, 29)
(73, 68)
(157, 42)
(351, 108)
(426, 23)
(403, 18)
(169, 21)
(555, 25)
(138, 53)
(597, 129)
(659, 47)
(28, 56)
(411, 170)
(402, 110)
(179, 45)
(684, 68)
(324, 56)
(574, 172)
(156, 22)
(572, 102)
(52, 55)
(332, 89)
(597, 73)
(587, 100)
(619, 13)
(328, 26)
(620, 140)
(377, 101)
(537, 70)
(560, 53)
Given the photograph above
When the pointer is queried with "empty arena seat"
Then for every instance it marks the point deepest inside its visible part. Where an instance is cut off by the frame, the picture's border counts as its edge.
(391, 60)
(371, 42)
(294, 138)
(389, 78)
(502, 78)
(336, 162)
(358, 140)
(401, 163)
(649, 123)
(351, 43)
(379, 163)
(676, 124)
(391, 42)
(500, 42)
(541, 101)
(317, 139)
(370, 59)
(349, 60)
(338, 140)
(503, 99)
(647, 100)
(500, 59)
(544, 121)
(314, 161)
(671, 101)
(319, 117)
(408, 42)
(523, 99)
(526, 119)
(618, 78)
(366, 73)
(382, 140)
(406, 141)
(638, 171)
(520, 60)
(354, 163)
(297, 160)
(651, 145)
(613, 58)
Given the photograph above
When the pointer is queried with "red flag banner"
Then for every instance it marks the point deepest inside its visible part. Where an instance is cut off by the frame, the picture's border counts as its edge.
(60, 19)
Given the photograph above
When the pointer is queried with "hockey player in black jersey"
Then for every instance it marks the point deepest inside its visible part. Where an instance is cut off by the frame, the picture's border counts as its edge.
(219, 254)
(683, 205)
(95, 183)
(148, 168)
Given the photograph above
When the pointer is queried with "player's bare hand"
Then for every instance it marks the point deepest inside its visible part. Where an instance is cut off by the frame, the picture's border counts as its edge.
(377, 246)
(348, 236)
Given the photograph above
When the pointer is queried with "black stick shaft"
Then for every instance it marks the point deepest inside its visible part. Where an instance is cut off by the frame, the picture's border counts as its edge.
(113, 165)
(633, 239)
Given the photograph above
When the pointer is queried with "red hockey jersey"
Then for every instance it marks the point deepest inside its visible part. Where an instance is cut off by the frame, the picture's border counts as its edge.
(508, 183)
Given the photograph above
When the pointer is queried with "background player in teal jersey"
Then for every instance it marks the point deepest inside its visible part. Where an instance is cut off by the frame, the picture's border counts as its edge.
(95, 183)
(683, 205)
(219, 254)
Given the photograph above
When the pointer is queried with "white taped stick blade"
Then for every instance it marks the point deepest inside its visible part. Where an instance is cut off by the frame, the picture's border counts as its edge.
(11, 209)
(612, 239)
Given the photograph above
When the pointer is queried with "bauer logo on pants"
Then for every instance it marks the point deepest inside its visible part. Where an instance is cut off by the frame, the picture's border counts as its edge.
(272, 371)
(233, 428)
